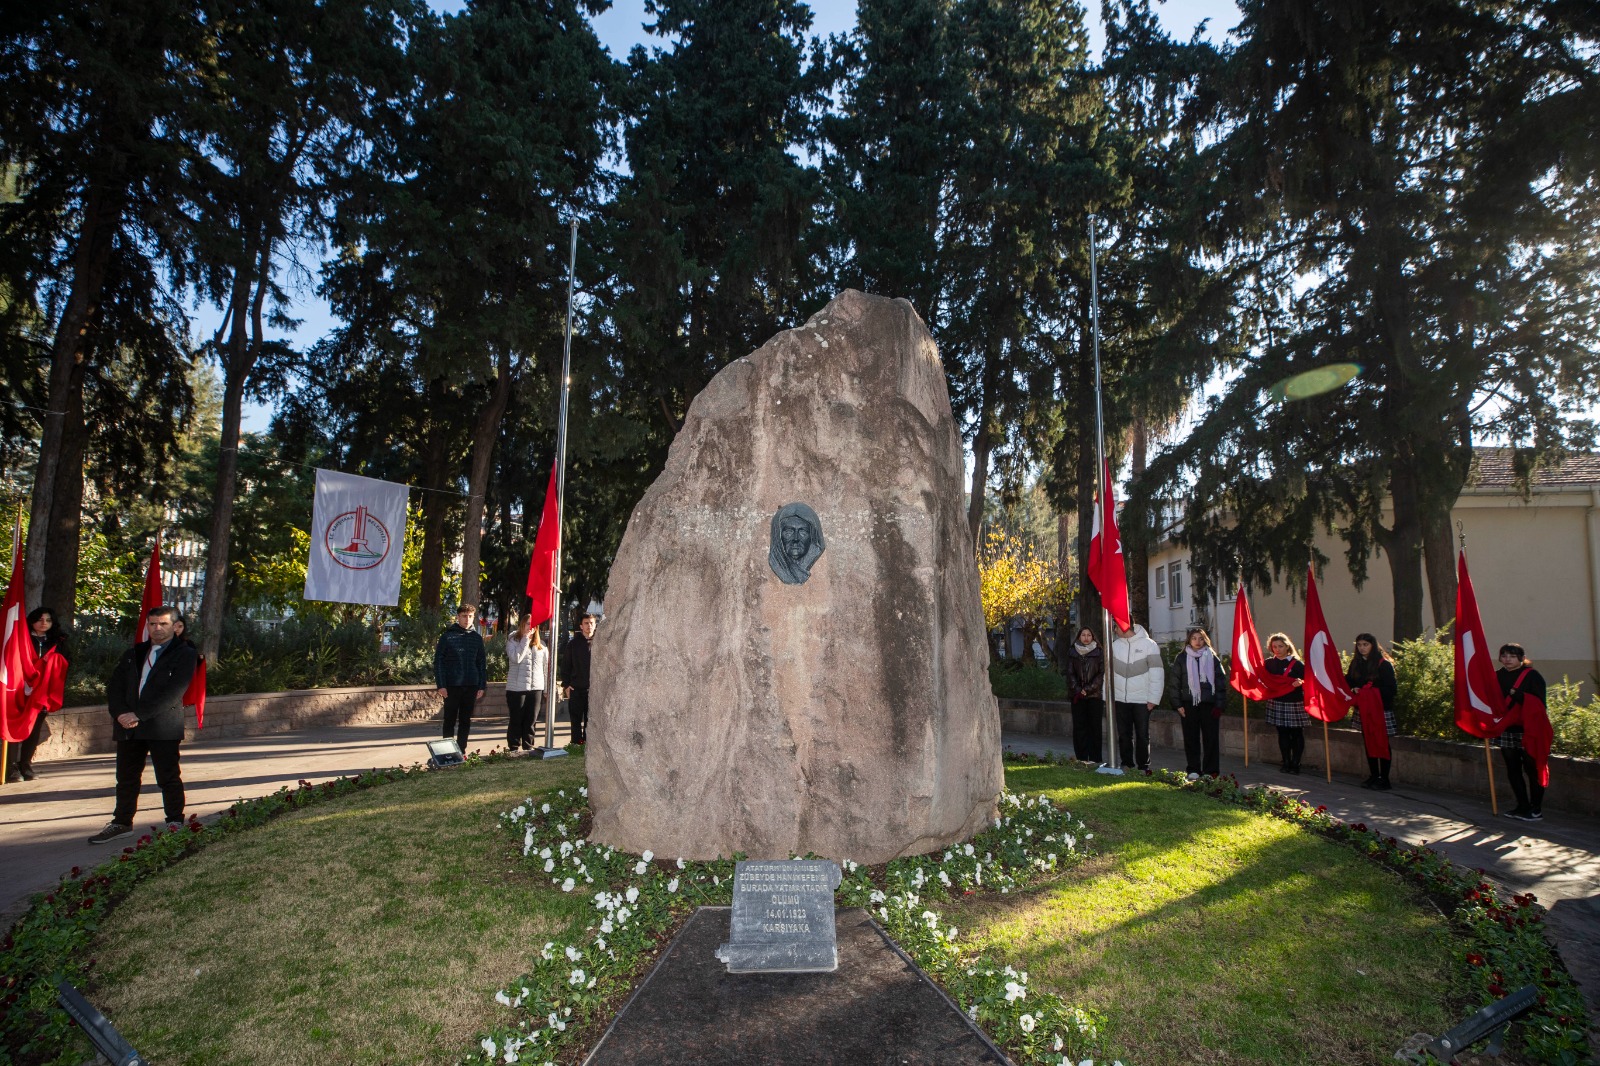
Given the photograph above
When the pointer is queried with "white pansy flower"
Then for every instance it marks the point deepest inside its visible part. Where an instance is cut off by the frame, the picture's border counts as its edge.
(672, 885)
(1015, 991)
(578, 977)
(1027, 1023)
(573, 953)
(640, 867)
(633, 894)
(682, 864)
(488, 1047)
(649, 856)
(1058, 1044)
(549, 865)
(568, 885)
(502, 999)
(545, 809)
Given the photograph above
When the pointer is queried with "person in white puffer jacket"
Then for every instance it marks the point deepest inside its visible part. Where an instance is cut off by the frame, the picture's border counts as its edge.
(527, 661)
(1138, 677)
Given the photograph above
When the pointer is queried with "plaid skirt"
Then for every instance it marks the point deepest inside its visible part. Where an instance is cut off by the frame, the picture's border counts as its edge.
(1288, 713)
(1511, 738)
(1388, 720)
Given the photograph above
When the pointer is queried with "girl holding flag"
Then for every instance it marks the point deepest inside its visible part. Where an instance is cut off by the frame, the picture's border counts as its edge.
(1287, 713)
(1371, 670)
(47, 637)
(1520, 684)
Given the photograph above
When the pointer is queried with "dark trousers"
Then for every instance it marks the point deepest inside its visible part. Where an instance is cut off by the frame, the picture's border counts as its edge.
(1133, 734)
(578, 711)
(459, 703)
(523, 712)
(1086, 728)
(26, 749)
(1524, 779)
(1200, 740)
(131, 755)
(1291, 745)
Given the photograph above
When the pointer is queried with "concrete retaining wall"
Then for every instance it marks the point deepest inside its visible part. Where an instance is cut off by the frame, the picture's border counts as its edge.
(1444, 765)
(76, 731)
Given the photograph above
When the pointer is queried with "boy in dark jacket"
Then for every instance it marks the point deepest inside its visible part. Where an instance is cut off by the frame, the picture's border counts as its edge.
(460, 673)
(145, 698)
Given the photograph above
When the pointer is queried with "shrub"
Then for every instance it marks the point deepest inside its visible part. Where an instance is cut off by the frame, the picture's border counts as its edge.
(296, 653)
(1012, 680)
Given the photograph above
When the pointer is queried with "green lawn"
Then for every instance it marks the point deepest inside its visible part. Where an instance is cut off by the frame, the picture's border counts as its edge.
(377, 928)
(374, 929)
(1207, 933)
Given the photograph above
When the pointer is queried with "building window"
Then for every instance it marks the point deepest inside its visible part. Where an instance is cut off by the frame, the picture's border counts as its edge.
(1161, 582)
(1175, 583)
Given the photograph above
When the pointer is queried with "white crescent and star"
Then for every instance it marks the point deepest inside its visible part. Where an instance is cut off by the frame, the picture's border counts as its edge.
(1469, 647)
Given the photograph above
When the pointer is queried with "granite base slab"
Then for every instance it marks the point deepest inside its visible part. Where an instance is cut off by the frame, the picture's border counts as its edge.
(877, 1009)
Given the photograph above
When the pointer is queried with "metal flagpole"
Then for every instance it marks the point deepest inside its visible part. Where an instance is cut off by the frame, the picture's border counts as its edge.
(550, 751)
(1113, 764)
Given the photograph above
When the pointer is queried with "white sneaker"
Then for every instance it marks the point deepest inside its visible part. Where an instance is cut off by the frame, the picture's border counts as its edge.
(1192, 777)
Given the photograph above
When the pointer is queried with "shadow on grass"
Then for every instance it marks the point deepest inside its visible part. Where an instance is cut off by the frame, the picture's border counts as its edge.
(1209, 933)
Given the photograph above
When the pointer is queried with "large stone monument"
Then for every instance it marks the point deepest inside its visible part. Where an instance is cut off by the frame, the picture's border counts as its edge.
(794, 659)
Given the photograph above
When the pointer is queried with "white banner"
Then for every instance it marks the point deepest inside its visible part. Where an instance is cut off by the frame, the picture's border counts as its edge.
(358, 532)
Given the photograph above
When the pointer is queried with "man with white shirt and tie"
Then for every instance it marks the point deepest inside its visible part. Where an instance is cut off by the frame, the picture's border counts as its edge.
(145, 697)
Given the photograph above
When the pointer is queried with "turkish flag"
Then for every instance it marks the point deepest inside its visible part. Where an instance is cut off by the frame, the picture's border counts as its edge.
(1247, 672)
(1537, 734)
(1106, 568)
(542, 567)
(1328, 698)
(19, 663)
(1480, 709)
(195, 695)
(152, 592)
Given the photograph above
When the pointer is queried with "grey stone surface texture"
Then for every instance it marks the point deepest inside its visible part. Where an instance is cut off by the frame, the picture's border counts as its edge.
(783, 917)
(849, 716)
(797, 543)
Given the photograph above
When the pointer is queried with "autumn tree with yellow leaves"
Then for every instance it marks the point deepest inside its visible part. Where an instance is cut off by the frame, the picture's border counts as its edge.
(1018, 582)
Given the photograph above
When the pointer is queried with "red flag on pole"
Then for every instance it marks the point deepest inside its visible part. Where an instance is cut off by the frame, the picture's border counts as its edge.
(1328, 698)
(1247, 672)
(542, 567)
(1480, 709)
(19, 664)
(1106, 566)
(152, 592)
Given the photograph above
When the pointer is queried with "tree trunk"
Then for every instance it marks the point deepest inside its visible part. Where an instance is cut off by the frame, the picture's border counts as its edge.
(54, 475)
(1439, 555)
(60, 589)
(435, 505)
(485, 433)
(1136, 549)
(1403, 545)
(982, 448)
(243, 345)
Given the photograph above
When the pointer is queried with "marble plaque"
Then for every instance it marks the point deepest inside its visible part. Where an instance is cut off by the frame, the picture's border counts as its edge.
(783, 917)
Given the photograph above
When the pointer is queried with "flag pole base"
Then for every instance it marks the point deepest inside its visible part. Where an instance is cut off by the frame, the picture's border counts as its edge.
(1109, 769)
(548, 753)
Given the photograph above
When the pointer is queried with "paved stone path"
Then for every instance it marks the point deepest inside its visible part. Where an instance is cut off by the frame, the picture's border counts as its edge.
(1557, 859)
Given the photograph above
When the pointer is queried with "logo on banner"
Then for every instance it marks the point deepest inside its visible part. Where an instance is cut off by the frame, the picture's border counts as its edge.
(356, 540)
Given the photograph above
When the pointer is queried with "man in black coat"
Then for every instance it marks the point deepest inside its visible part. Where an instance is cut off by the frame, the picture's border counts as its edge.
(145, 698)
(573, 663)
(460, 673)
